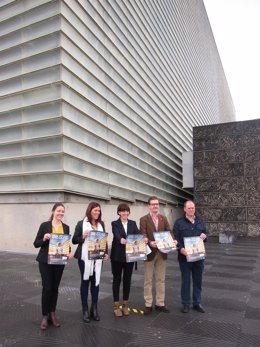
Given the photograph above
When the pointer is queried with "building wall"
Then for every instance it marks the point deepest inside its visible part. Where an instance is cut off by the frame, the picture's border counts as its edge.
(98, 98)
(22, 215)
(227, 177)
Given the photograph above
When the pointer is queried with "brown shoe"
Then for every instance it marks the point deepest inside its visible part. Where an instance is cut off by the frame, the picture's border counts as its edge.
(125, 309)
(44, 323)
(148, 310)
(162, 309)
(117, 309)
(54, 320)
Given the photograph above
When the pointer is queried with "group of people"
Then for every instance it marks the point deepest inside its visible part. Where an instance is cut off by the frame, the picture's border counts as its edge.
(90, 270)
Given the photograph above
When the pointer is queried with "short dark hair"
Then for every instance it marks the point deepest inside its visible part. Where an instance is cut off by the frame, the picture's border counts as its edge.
(152, 198)
(123, 207)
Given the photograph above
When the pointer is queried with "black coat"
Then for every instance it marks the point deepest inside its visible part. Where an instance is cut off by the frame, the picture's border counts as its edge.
(117, 249)
(78, 239)
(45, 227)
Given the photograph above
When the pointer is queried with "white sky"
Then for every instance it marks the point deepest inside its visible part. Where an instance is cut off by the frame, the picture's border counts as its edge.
(236, 28)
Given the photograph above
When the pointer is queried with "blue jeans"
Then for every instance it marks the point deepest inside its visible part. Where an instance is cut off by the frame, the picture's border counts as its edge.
(194, 269)
(84, 286)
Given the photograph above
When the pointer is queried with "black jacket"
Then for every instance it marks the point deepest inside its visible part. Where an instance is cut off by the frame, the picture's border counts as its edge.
(46, 227)
(117, 249)
(78, 239)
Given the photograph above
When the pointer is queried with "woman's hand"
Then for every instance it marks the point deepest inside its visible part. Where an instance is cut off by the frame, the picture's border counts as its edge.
(183, 251)
(46, 237)
(123, 241)
(71, 254)
(85, 233)
(106, 257)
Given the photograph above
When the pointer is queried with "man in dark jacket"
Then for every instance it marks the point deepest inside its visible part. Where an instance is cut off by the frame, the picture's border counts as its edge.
(187, 226)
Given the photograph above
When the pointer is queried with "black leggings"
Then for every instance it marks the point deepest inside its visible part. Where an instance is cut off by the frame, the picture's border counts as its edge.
(117, 269)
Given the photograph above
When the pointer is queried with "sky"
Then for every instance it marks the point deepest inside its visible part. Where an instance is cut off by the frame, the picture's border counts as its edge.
(236, 29)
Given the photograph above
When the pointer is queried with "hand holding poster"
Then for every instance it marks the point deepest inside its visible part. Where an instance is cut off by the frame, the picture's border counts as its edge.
(165, 242)
(97, 242)
(195, 248)
(135, 248)
(59, 249)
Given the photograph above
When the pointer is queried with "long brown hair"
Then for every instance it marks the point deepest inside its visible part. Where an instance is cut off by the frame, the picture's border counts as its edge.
(90, 207)
(55, 206)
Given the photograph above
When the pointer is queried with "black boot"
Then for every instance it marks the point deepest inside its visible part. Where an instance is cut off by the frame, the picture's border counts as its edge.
(86, 318)
(94, 312)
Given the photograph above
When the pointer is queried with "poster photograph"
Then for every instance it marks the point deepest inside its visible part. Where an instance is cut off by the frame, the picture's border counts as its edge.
(165, 242)
(195, 248)
(135, 248)
(59, 249)
(97, 244)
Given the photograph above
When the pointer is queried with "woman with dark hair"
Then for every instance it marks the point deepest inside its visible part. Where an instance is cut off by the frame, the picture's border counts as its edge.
(121, 228)
(50, 274)
(90, 270)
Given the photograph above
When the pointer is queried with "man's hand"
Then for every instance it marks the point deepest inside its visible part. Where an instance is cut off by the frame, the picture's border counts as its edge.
(153, 244)
(203, 236)
(183, 251)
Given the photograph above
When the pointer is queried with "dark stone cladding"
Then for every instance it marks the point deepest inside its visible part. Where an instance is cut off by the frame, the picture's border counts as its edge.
(226, 176)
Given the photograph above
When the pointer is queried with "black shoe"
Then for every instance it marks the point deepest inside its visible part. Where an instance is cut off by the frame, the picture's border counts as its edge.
(162, 309)
(199, 308)
(185, 309)
(147, 310)
(86, 318)
(94, 312)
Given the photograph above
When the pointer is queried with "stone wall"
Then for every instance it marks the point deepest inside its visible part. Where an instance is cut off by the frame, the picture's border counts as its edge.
(226, 177)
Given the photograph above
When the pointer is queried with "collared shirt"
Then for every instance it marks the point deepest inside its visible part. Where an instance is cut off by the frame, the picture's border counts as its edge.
(125, 226)
(155, 221)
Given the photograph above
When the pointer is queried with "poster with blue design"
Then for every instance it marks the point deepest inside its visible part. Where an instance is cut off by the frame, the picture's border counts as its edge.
(195, 248)
(164, 241)
(97, 244)
(135, 248)
(59, 249)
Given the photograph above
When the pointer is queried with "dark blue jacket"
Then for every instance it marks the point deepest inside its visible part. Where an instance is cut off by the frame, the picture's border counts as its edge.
(184, 228)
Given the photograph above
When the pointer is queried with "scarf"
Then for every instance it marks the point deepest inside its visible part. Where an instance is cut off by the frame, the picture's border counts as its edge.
(90, 265)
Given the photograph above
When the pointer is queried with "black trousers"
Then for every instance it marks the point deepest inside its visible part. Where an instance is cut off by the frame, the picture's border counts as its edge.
(117, 269)
(84, 286)
(51, 277)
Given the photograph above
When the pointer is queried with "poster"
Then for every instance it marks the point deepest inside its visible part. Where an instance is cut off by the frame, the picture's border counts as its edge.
(135, 248)
(195, 248)
(97, 244)
(165, 242)
(59, 249)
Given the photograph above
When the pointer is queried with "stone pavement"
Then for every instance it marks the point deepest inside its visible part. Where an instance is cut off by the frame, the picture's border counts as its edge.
(231, 296)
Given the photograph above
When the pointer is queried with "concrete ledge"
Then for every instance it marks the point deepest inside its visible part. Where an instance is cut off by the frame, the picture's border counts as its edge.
(227, 237)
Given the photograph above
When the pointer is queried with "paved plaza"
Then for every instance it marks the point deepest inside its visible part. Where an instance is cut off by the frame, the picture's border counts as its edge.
(231, 297)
